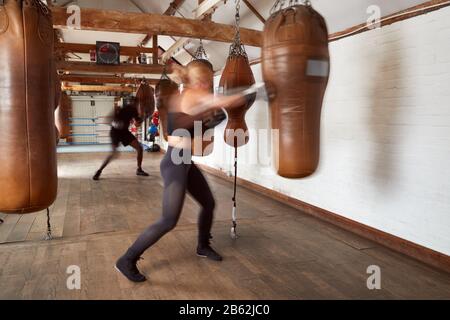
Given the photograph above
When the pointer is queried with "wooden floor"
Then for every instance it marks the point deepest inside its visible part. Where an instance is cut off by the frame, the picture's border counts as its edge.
(281, 253)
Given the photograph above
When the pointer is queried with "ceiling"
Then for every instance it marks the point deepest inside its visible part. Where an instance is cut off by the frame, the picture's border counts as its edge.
(340, 15)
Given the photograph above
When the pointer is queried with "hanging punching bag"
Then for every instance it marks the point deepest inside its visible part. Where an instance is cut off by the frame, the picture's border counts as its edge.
(237, 74)
(295, 64)
(62, 116)
(28, 177)
(164, 91)
(145, 100)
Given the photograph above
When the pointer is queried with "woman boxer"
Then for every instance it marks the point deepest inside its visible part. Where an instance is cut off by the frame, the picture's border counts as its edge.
(183, 177)
(120, 134)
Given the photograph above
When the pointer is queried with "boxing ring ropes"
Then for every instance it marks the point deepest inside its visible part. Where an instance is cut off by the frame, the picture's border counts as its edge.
(96, 134)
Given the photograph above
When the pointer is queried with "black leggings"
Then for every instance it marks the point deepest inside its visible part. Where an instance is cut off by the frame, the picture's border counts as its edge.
(178, 178)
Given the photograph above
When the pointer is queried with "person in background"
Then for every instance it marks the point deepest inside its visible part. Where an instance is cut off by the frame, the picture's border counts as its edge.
(120, 134)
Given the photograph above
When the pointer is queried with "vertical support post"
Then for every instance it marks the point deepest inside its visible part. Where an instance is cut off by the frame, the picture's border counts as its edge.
(155, 49)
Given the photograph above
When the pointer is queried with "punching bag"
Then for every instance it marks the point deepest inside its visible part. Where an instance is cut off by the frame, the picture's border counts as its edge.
(145, 100)
(237, 74)
(28, 176)
(165, 89)
(62, 116)
(295, 64)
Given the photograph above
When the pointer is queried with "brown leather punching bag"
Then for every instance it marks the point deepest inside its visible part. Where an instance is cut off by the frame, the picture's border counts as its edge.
(145, 100)
(164, 91)
(295, 64)
(237, 74)
(62, 116)
(28, 177)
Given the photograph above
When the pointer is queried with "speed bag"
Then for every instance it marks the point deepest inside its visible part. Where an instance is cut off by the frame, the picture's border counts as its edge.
(145, 100)
(237, 74)
(296, 66)
(28, 175)
(62, 116)
(164, 91)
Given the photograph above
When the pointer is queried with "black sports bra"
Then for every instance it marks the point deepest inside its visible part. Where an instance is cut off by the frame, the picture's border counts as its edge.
(180, 120)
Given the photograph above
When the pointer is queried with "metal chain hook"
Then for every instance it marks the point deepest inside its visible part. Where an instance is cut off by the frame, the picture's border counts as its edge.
(236, 48)
(280, 4)
(200, 53)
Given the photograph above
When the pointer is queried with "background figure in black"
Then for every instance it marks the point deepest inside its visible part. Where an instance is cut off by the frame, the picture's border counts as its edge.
(120, 134)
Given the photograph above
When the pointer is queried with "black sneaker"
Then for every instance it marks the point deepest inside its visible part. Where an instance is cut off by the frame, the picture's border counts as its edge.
(207, 252)
(140, 172)
(128, 268)
(97, 175)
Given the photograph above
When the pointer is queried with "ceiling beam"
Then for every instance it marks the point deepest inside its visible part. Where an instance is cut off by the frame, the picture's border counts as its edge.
(173, 7)
(76, 66)
(86, 48)
(89, 88)
(203, 12)
(101, 79)
(137, 5)
(255, 12)
(131, 22)
(206, 7)
(409, 13)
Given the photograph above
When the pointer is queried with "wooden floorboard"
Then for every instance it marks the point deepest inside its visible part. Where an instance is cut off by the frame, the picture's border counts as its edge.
(281, 253)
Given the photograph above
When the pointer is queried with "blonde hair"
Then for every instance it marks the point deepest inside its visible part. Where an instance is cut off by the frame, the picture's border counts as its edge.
(197, 71)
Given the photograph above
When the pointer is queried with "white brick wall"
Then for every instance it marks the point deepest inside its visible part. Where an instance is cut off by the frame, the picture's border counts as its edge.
(385, 133)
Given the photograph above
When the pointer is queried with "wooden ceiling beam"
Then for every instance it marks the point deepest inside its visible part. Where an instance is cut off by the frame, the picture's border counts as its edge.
(255, 12)
(90, 88)
(76, 66)
(86, 48)
(207, 7)
(101, 79)
(204, 13)
(146, 23)
(173, 7)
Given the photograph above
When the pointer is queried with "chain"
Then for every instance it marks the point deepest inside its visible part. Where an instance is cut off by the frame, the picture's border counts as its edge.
(237, 48)
(49, 227)
(164, 75)
(280, 4)
(200, 53)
